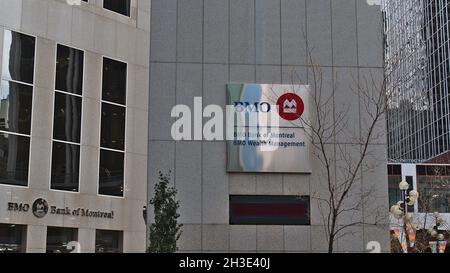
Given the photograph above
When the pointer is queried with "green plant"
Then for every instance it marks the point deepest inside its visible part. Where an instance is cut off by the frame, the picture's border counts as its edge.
(165, 231)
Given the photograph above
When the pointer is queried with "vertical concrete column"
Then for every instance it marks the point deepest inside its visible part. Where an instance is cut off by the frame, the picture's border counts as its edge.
(36, 239)
(132, 242)
(86, 238)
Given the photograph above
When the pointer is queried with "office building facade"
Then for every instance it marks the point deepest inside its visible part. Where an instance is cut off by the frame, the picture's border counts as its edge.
(73, 133)
(417, 72)
(198, 47)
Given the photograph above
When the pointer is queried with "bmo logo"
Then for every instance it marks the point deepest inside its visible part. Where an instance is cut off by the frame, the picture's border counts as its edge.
(256, 107)
(290, 106)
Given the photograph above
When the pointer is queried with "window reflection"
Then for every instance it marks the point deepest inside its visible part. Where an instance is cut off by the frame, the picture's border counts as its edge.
(67, 119)
(15, 107)
(434, 193)
(108, 241)
(16, 92)
(114, 81)
(113, 127)
(111, 173)
(69, 70)
(14, 158)
(122, 7)
(58, 239)
(18, 57)
(12, 238)
(65, 166)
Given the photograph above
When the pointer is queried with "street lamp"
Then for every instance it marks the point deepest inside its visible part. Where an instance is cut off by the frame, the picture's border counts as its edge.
(400, 210)
(144, 214)
(440, 243)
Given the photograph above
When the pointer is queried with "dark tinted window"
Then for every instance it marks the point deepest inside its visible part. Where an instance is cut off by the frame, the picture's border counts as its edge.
(269, 210)
(18, 56)
(111, 173)
(15, 107)
(113, 127)
(58, 238)
(393, 189)
(108, 241)
(69, 70)
(421, 170)
(397, 169)
(114, 81)
(122, 6)
(65, 166)
(67, 119)
(14, 158)
(12, 238)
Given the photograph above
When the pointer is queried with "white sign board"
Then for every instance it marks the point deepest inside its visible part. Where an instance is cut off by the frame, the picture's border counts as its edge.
(268, 128)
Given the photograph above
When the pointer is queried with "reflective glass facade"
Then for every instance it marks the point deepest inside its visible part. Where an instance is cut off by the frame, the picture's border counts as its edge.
(417, 72)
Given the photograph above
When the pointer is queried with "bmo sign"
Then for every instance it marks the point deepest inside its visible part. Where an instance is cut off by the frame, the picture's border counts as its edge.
(267, 125)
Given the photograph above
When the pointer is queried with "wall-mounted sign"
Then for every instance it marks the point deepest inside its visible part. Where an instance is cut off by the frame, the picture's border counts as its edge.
(268, 128)
(41, 208)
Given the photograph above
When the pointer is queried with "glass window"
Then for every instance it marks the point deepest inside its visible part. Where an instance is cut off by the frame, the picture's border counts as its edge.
(15, 107)
(18, 57)
(65, 166)
(394, 191)
(113, 127)
(67, 119)
(12, 238)
(421, 170)
(69, 70)
(434, 193)
(16, 95)
(114, 80)
(108, 241)
(122, 7)
(111, 173)
(58, 238)
(269, 210)
(14, 158)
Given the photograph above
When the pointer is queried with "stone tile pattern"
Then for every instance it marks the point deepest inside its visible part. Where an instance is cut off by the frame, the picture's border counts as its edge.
(197, 47)
(100, 33)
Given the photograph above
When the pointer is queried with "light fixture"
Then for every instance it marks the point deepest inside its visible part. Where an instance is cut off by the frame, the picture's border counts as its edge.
(403, 185)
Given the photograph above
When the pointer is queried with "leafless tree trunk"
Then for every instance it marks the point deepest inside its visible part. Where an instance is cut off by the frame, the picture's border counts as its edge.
(325, 123)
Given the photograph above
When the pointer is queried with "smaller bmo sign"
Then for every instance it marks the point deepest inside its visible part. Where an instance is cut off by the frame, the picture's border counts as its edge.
(268, 128)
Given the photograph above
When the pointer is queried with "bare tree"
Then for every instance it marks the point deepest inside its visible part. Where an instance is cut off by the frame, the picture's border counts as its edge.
(431, 193)
(344, 196)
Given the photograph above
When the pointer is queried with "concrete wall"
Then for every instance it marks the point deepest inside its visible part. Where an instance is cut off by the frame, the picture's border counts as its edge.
(100, 33)
(197, 47)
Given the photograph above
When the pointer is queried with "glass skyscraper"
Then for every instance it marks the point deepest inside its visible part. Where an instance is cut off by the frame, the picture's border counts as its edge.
(417, 79)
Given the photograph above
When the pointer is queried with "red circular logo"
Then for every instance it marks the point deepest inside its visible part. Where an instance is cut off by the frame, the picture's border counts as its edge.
(290, 106)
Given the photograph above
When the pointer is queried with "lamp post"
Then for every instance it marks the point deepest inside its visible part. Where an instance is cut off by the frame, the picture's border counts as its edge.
(436, 233)
(144, 214)
(400, 210)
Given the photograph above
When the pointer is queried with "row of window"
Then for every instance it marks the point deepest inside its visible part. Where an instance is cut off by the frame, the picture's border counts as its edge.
(59, 240)
(15, 117)
(122, 6)
(433, 185)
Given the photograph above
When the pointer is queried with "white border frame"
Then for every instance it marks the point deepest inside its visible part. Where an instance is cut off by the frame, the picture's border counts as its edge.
(115, 12)
(32, 101)
(53, 120)
(125, 133)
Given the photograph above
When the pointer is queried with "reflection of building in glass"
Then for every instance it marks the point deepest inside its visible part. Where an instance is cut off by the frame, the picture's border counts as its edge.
(4, 106)
(417, 64)
(432, 181)
(53, 85)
